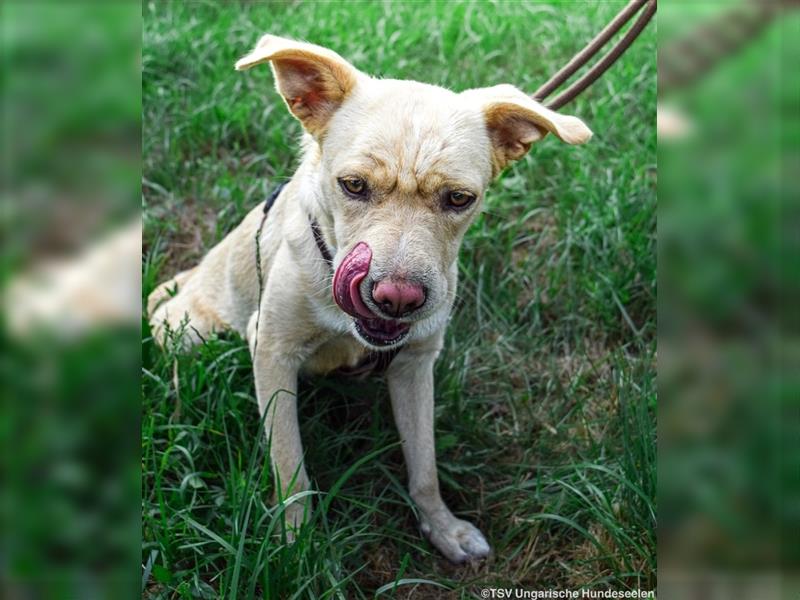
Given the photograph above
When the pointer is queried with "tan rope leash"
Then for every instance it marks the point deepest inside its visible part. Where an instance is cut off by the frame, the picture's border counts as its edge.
(592, 49)
(680, 63)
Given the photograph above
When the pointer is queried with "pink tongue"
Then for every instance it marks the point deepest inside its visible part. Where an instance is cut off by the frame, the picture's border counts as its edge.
(348, 277)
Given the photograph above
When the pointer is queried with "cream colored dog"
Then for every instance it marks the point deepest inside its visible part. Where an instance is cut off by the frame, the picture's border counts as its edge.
(393, 173)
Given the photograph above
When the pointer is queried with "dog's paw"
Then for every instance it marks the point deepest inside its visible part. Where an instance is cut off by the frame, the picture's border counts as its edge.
(458, 540)
(294, 517)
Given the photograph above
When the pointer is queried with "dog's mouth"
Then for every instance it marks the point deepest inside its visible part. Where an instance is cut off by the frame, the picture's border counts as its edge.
(346, 293)
(380, 332)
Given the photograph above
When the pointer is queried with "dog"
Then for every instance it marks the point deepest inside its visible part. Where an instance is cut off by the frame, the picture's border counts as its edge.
(356, 258)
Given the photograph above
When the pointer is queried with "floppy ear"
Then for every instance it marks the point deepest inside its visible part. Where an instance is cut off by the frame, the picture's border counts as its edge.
(314, 81)
(515, 121)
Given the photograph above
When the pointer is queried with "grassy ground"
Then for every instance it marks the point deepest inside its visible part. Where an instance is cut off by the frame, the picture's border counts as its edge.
(546, 391)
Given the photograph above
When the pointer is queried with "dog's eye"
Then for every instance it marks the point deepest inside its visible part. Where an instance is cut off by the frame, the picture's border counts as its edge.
(459, 200)
(354, 186)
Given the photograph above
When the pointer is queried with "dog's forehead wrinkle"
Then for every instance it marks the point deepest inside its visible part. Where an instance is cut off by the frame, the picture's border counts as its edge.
(413, 117)
(419, 164)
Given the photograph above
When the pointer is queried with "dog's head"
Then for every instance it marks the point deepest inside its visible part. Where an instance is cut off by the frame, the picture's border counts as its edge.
(401, 168)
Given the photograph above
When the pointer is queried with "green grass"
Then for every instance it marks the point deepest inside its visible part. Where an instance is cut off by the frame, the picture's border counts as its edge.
(545, 390)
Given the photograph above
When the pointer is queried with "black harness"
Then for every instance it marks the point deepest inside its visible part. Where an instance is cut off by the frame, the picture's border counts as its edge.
(272, 197)
(315, 229)
(372, 363)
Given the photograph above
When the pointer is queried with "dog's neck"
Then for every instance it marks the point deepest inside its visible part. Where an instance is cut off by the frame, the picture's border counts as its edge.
(310, 196)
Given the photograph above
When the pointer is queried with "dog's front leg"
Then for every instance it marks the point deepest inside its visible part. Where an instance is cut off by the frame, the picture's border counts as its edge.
(410, 378)
(276, 390)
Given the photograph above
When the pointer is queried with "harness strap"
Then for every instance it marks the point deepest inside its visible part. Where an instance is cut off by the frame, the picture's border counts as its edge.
(271, 199)
(321, 245)
(259, 273)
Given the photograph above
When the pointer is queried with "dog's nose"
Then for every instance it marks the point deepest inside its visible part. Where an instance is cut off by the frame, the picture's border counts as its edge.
(398, 298)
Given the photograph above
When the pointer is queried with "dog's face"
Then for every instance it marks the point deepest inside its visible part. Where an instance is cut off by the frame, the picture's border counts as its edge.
(401, 171)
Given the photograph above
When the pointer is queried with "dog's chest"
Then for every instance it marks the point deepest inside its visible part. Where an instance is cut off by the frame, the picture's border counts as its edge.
(343, 355)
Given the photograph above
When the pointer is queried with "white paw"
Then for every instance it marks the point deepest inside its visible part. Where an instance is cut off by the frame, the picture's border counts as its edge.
(293, 519)
(458, 540)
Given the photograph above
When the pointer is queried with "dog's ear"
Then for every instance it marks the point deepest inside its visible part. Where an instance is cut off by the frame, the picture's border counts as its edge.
(314, 81)
(515, 121)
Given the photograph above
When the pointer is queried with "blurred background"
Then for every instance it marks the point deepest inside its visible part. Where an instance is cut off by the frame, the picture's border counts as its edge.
(729, 458)
(69, 433)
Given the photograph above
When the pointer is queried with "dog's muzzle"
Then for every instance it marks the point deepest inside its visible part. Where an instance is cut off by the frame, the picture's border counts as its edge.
(347, 294)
